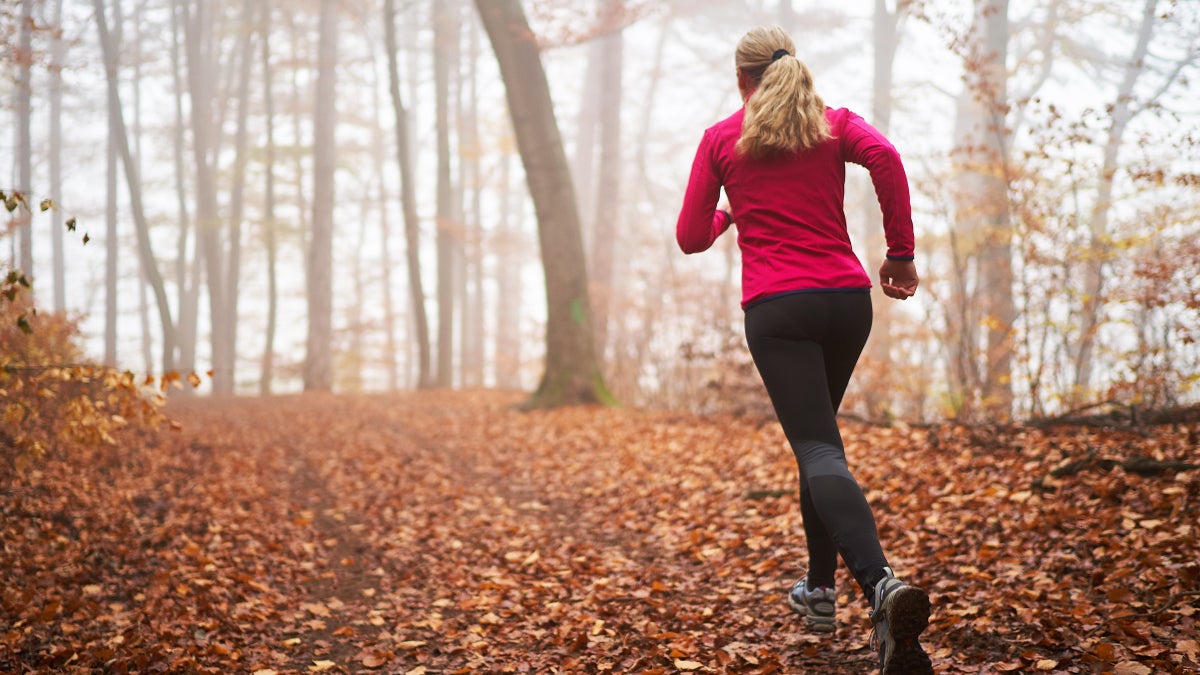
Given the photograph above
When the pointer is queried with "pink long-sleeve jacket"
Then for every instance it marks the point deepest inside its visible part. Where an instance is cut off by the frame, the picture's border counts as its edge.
(790, 219)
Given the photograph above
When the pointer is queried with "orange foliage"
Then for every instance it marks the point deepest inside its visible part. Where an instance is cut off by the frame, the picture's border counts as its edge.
(443, 532)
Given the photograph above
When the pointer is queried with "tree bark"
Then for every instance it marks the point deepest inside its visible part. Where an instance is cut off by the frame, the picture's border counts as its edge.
(318, 366)
(571, 374)
(412, 224)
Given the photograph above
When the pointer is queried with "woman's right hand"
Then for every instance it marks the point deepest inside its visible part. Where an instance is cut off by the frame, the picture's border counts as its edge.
(898, 278)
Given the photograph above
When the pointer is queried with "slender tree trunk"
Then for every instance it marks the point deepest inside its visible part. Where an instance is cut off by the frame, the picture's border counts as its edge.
(508, 305)
(58, 53)
(391, 362)
(1101, 250)
(878, 396)
(587, 124)
(223, 383)
(572, 374)
(318, 371)
(111, 239)
(135, 191)
(445, 39)
(143, 281)
(471, 248)
(24, 149)
(188, 284)
(608, 197)
(268, 354)
(412, 225)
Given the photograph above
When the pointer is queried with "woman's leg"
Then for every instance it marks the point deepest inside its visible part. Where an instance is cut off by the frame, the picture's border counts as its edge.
(805, 346)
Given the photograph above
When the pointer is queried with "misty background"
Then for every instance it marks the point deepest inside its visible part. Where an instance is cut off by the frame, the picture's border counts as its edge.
(1051, 147)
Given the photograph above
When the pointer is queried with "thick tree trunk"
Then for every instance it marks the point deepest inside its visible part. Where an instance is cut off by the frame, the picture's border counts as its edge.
(572, 374)
(412, 225)
(318, 366)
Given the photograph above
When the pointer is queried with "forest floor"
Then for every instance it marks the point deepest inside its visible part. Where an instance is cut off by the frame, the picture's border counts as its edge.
(445, 532)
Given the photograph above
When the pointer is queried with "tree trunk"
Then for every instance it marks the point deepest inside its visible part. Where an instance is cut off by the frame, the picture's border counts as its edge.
(1101, 250)
(58, 53)
(445, 40)
(391, 362)
(984, 298)
(571, 374)
(996, 257)
(508, 304)
(878, 395)
(318, 371)
(412, 225)
(24, 149)
(111, 239)
(186, 277)
(135, 191)
(608, 196)
(224, 382)
(198, 37)
(471, 153)
(268, 355)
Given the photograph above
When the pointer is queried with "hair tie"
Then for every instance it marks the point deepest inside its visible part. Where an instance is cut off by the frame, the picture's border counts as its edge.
(779, 54)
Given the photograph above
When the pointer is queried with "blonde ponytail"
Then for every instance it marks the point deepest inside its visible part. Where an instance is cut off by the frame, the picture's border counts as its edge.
(784, 113)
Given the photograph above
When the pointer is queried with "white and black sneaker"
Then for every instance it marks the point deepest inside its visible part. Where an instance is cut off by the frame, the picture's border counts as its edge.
(818, 606)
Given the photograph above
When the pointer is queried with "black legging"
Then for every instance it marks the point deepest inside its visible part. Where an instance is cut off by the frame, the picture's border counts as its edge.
(805, 346)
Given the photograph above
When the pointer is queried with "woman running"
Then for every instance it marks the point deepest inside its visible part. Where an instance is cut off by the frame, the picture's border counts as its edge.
(782, 162)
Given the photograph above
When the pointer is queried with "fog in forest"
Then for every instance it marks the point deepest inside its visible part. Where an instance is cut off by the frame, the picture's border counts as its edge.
(333, 194)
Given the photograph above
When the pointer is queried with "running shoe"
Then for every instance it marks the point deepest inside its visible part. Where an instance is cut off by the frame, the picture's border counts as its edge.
(818, 606)
(900, 615)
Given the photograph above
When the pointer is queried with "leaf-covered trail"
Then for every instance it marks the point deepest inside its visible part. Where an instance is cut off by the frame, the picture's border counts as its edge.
(446, 533)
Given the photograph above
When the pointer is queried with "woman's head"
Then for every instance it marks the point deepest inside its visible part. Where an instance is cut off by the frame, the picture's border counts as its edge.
(783, 111)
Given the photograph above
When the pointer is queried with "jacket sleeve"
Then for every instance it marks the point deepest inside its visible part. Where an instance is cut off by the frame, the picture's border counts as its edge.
(862, 144)
(700, 223)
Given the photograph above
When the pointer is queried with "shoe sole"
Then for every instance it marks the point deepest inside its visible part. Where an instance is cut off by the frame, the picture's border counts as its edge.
(908, 618)
(816, 623)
